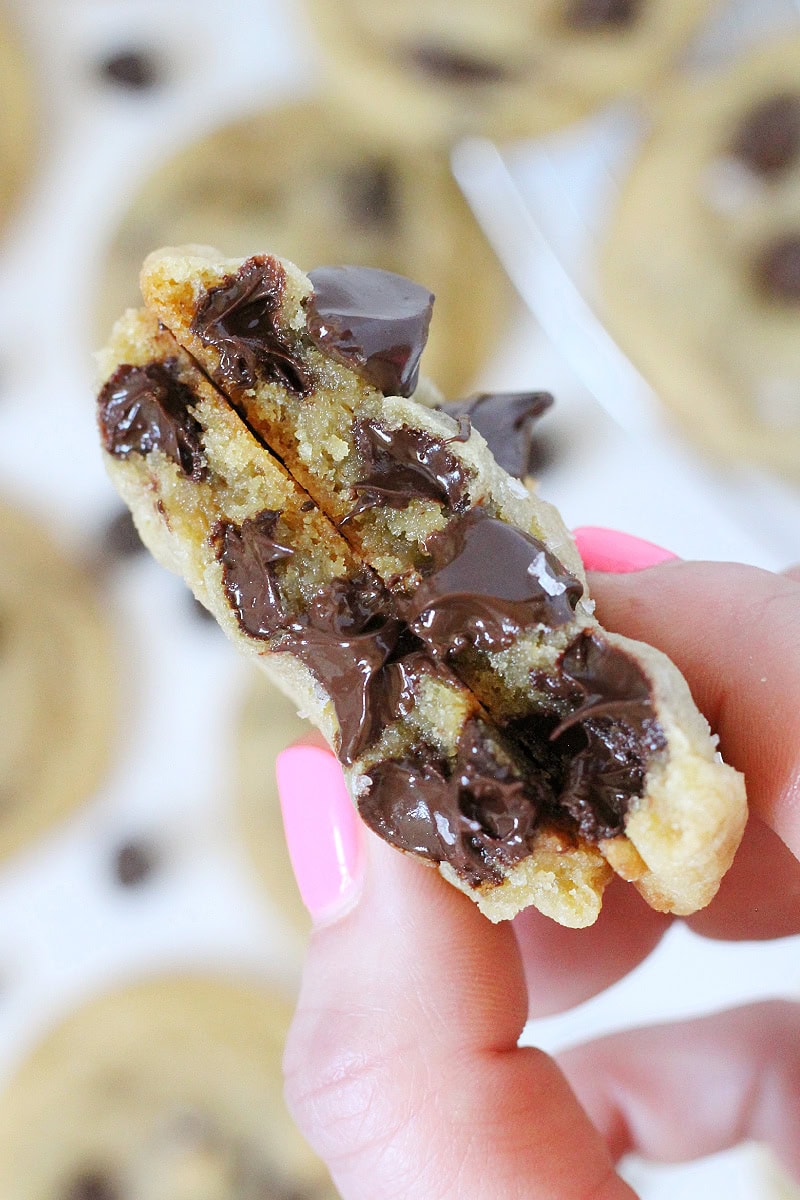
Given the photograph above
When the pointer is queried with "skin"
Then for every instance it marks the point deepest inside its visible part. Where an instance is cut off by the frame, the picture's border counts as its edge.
(402, 1065)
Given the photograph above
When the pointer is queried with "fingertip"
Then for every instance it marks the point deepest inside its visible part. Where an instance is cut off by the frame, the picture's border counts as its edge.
(616, 552)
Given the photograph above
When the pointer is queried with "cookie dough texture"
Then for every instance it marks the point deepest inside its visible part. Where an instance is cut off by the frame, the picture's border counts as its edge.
(268, 724)
(515, 68)
(16, 118)
(298, 179)
(700, 272)
(167, 1089)
(250, 326)
(58, 683)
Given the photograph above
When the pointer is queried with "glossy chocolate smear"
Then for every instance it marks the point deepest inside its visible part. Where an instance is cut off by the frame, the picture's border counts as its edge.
(768, 139)
(141, 409)
(594, 736)
(777, 270)
(238, 318)
(506, 421)
(405, 464)
(476, 814)
(590, 15)
(485, 583)
(363, 655)
(453, 66)
(248, 553)
(374, 322)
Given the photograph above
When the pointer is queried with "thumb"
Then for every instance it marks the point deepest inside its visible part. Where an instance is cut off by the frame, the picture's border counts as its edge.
(402, 1065)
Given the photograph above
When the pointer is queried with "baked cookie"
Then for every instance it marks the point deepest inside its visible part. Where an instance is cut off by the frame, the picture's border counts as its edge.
(269, 722)
(419, 72)
(16, 118)
(410, 596)
(169, 1089)
(301, 180)
(701, 268)
(58, 708)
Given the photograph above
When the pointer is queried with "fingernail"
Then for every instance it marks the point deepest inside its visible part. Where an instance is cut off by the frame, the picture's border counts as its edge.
(322, 830)
(619, 553)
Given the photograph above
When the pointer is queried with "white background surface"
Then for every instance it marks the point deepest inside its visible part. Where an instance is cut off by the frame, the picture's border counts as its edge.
(65, 928)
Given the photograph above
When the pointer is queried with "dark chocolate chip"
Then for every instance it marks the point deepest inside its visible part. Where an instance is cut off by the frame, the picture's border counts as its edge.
(371, 195)
(134, 862)
(485, 582)
(239, 319)
(405, 464)
(374, 322)
(455, 67)
(135, 70)
(777, 269)
(248, 553)
(141, 409)
(506, 420)
(590, 15)
(121, 537)
(768, 138)
(91, 1185)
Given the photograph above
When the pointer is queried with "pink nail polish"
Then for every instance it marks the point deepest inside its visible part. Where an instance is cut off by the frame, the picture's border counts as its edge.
(619, 553)
(322, 829)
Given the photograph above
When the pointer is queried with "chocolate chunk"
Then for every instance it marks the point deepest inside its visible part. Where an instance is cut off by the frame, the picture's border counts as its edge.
(477, 814)
(371, 195)
(134, 862)
(373, 322)
(91, 1185)
(506, 420)
(141, 409)
(248, 553)
(363, 655)
(452, 66)
(777, 269)
(121, 537)
(590, 15)
(487, 581)
(768, 139)
(404, 465)
(238, 318)
(135, 70)
(594, 736)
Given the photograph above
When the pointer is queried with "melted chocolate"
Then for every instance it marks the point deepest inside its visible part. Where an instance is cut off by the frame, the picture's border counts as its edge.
(92, 1185)
(134, 863)
(506, 420)
(476, 814)
(372, 196)
(448, 65)
(777, 270)
(486, 582)
(136, 70)
(238, 318)
(248, 553)
(141, 409)
(373, 322)
(768, 139)
(403, 465)
(590, 15)
(594, 735)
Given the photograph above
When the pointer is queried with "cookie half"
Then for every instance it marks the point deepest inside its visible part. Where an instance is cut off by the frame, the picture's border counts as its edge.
(428, 73)
(516, 743)
(59, 709)
(169, 1089)
(301, 179)
(16, 118)
(701, 269)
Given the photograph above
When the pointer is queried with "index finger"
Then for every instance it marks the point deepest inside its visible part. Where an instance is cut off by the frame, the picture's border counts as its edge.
(734, 632)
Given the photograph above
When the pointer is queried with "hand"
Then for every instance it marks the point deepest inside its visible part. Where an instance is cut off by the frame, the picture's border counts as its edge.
(402, 1065)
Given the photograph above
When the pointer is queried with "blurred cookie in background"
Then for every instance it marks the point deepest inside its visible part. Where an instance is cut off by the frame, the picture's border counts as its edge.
(421, 71)
(299, 181)
(268, 724)
(168, 1089)
(701, 269)
(16, 118)
(58, 684)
